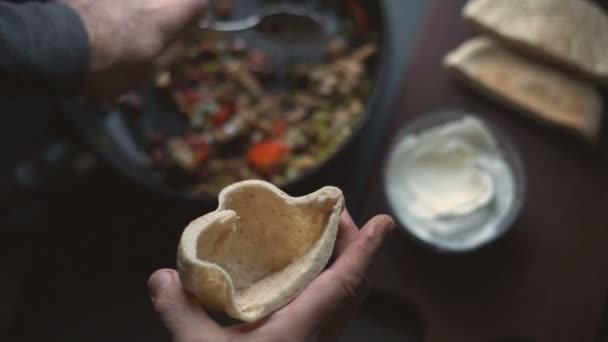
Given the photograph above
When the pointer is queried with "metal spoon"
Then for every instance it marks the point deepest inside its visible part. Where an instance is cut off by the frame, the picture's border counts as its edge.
(285, 23)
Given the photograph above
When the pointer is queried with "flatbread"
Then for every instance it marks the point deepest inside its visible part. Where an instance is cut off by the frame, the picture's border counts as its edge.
(259, 249)
(546, 93)
(571, 33)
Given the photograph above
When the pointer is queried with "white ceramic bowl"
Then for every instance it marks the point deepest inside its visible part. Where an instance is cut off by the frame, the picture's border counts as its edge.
(502, 220)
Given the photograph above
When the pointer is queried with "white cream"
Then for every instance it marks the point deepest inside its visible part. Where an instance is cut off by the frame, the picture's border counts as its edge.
(450, 183)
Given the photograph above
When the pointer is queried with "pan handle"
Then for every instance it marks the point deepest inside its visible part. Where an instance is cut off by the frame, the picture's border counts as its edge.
(48, 172)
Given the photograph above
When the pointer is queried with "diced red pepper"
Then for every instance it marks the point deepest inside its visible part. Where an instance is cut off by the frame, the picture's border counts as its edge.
(227, 99)
(222, 116)
(265, 156)
(360, 17)
(191, 97)
(201, 153)
(194, 74)
(279, 128)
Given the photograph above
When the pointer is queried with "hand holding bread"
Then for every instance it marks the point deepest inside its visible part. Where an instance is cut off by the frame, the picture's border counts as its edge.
(300, 300)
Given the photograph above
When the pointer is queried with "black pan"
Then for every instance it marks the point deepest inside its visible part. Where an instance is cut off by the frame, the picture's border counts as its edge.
(114, 135)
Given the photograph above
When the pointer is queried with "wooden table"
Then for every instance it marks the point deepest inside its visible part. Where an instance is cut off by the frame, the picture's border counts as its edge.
(547, 280)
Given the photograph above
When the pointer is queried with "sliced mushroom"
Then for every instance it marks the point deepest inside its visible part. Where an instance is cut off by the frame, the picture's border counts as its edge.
(163, 79)
(340, 118)
(296, 139)
(232, 130)
(309, 100)
(256, 137)
(364, 52)
(297, 114)
(243, 100)
(181, 153)
(264, 125)
(305, 162)
(328, 84)
(269, 105)
(247, 80)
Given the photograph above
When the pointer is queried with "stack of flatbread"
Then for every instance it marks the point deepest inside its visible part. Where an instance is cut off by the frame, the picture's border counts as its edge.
(541, 56)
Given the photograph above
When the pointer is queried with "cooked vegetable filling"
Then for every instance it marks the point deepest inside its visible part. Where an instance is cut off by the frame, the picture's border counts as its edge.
(247, 118)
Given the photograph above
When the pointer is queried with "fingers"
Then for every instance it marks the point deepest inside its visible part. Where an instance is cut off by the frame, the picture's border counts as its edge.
(347, 233)
(341, 284)
(347, 220)
(181, 314)
(352, 266)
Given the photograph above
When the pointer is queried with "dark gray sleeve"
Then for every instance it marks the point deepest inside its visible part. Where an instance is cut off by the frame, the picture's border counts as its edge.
(44, 49)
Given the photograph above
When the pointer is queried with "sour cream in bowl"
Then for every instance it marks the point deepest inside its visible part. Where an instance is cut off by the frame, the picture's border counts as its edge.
(453, 182)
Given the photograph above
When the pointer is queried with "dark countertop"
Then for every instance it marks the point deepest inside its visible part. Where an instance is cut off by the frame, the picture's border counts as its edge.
(546, 280)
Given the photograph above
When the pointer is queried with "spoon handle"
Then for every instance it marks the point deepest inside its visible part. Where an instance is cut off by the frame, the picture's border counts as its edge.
(209, 22)
(231, 25)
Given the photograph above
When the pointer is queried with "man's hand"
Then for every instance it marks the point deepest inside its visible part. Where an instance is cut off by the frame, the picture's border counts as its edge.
(127, 38)
(317, 314)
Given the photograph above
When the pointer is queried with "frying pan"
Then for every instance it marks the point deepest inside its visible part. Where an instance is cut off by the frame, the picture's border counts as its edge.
(116, 137)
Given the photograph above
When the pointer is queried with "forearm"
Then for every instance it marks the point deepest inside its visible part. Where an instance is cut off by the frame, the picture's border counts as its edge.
(44, 50)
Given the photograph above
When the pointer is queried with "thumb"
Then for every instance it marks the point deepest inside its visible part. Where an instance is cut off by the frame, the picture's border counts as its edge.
(181, 313)
(341, 285)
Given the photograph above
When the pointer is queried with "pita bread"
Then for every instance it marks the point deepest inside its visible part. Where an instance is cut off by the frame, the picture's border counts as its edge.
(548, 94)
(572, 33)
(259, 249)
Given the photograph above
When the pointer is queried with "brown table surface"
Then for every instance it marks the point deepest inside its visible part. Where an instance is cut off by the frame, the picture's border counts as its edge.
(547, 279)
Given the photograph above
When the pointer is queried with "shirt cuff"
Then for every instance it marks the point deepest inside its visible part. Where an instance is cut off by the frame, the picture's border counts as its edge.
(51, 52)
